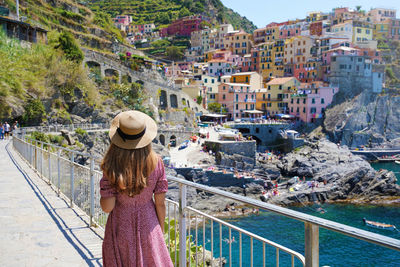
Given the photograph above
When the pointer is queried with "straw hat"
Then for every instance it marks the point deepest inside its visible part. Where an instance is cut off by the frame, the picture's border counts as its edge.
(132, 130)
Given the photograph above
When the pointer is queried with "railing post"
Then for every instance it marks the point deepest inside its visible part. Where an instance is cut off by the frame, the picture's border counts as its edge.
(41, 159)
(182, 225)
(35, 164)
(72, 180)
(58, 172)
(48, 150)
(91, 190)
(311, 239)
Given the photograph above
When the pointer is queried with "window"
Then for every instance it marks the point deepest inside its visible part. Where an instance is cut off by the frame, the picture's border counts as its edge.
(237, 98)
(358, 31)
(291, 101)
(313, 110)
(291, 109)
(205, 80)
(304, 110)
(322, 101)
(263, 96)
(313, 101)
(297, 110)
(237, 106)
(304, 100)
(280, 87)
(298, 100)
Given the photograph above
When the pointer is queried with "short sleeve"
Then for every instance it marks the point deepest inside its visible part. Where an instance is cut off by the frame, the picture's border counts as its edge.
(162, 183)
(106, 190)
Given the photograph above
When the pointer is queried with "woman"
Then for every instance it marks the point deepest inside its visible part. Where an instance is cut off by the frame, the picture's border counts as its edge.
(132, 174)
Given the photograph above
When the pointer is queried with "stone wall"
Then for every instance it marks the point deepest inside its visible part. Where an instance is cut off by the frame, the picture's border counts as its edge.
(244, 148)
(216, 178)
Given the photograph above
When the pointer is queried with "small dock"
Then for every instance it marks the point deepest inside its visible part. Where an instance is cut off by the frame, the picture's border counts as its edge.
(381, 155)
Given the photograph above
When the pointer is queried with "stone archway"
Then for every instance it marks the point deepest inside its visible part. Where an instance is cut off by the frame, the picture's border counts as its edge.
(173, 101)
(162, 139)
(92, 64)
(112, 74)
(163, 99)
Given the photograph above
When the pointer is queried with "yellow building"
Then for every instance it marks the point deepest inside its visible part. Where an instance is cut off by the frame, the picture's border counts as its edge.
(275, 97)
(362, 31)
(271, 59)
(381, 30)
(297, 50)
(239, 43)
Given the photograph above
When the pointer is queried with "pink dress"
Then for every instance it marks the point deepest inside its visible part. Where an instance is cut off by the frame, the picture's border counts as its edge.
(133, 235)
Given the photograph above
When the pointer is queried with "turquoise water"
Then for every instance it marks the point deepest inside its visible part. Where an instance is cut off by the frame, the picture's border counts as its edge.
(335, 249)
(391, 166)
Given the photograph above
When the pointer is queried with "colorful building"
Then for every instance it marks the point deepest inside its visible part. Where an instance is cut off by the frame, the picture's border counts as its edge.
(377, 15)
(251, 78)
(311, 100)
(271, 59)
(220, 67)
(239, 43)
(236, 98)
(277, 93)
(362, 31)
(183, 26)
(210, 84)
(123, 19)
(394, 29)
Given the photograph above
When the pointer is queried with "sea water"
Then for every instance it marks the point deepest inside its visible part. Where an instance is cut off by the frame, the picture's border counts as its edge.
(335, 249)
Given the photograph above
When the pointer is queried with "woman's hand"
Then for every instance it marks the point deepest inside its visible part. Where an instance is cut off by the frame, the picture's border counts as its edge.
(159, 201)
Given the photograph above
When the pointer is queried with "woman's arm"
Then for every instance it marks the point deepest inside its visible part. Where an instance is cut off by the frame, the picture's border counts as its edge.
(107, 204)
(159, 200)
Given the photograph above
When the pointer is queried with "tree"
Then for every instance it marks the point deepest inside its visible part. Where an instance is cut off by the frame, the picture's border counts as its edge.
(68, 44)
(199, 99)
(184, 12)
(216, 108)
(358, 8)
(174, 53)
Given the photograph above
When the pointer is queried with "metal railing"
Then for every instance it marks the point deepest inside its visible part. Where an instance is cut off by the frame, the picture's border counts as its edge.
(80, 185)
(59, 127)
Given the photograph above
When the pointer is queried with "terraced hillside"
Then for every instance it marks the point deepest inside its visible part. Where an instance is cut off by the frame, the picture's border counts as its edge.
(163, 12)
(94, 30)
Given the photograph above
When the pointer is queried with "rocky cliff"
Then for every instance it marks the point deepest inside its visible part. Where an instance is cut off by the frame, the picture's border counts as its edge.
(369, 119)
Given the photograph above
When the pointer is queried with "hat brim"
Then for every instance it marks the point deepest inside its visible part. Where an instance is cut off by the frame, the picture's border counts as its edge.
(147, 138)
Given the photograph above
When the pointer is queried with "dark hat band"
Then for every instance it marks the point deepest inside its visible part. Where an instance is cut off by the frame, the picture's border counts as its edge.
(125, 136)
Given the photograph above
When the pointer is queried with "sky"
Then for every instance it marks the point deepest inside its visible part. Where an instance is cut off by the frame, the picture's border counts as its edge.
(262, 12)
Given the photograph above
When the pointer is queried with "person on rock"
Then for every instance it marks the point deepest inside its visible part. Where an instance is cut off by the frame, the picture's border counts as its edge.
(132, 174)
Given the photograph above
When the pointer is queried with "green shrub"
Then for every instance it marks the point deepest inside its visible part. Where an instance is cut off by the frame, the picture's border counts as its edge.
(80, 131)
(34, 111)
(39, 136)
(70, 47)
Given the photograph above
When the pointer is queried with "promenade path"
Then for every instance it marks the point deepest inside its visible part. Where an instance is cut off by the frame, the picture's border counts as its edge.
(37, 227)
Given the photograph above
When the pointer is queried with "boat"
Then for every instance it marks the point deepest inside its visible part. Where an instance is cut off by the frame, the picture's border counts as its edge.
(379, 225)
(397, 161)
(184, 145)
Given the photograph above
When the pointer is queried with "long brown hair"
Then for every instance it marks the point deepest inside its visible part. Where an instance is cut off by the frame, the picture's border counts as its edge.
(128, 169)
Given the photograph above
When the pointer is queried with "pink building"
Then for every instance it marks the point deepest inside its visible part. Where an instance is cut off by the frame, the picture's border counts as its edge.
(311, 101)
(236, 98)
(123, 19)
(183, 27)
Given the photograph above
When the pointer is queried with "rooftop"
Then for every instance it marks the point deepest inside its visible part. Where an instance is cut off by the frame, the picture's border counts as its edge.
(280, 80)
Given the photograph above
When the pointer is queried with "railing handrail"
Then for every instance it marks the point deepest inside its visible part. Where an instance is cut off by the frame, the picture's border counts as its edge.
(327, 224)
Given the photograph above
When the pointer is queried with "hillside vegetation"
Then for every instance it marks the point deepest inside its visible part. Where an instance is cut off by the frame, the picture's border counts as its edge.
(57, 78)
(163, 12)
(94, 30)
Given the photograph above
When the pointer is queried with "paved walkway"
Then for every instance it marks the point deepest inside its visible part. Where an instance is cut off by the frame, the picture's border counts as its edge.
(37, 227)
